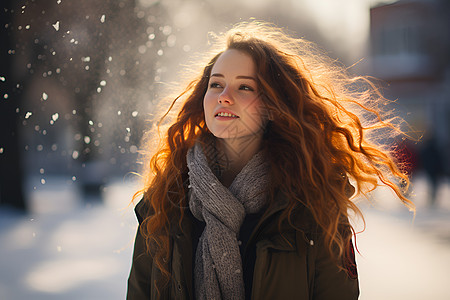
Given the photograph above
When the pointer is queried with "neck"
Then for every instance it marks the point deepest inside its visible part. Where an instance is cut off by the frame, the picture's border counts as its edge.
(235, 154)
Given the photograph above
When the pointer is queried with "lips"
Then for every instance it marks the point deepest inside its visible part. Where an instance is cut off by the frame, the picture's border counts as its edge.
(225, 113)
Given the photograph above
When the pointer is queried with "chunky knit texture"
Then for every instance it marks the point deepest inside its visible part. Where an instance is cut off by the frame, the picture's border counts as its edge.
(218, 266)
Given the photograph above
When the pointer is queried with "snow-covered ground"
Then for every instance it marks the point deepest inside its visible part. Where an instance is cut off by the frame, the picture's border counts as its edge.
(66, 248)
(70, 249)
(402, 257)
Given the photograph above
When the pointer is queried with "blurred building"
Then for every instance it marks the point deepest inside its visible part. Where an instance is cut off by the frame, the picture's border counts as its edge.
(410, 46)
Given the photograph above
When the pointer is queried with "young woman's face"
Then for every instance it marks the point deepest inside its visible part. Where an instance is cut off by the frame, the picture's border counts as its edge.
(232, 103)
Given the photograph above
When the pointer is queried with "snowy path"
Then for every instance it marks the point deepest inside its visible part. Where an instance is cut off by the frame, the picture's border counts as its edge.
(402, 259)
(66, 250)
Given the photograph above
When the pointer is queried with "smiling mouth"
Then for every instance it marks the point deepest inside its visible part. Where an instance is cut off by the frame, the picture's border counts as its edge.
(224, 114)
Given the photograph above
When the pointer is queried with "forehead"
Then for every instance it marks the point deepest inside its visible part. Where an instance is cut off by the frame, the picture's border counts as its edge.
(234, 63)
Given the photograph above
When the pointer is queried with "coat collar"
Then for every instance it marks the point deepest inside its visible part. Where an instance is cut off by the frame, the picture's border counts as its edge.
(280, 202)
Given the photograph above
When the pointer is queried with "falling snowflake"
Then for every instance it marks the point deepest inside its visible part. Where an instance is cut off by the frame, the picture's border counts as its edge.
(44, 96)
(171, 40)
(166, 30)
(56, 26)
(102, 19)
(186, 48)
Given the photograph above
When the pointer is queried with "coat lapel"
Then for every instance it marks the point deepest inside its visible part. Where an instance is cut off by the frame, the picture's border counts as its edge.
(182, 237)
(280, 203)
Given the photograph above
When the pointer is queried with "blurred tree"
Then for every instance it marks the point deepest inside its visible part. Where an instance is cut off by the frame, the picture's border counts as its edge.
(11, 178)
(84, 67)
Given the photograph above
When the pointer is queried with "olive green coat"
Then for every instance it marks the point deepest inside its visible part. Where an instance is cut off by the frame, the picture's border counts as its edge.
(294, 267)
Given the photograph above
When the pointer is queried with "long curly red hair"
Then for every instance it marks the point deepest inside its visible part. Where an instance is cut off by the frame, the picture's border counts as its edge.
(322, 129)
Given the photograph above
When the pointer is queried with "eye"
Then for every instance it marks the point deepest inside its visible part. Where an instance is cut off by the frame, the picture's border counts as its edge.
(214, 85)
(246, 88)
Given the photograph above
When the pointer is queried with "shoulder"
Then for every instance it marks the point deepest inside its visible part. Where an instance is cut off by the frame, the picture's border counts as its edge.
(299, 217)
(293, 262)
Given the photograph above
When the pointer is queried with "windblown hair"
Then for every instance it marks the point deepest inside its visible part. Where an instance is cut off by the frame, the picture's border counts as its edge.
(320, 136)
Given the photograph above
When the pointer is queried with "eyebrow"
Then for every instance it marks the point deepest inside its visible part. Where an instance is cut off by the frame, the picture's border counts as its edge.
(238, 77)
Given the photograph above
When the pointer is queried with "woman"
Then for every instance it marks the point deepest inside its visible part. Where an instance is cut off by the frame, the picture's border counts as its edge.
(248, 197)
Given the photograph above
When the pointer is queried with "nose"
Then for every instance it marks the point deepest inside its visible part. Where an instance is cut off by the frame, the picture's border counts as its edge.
(225, 97)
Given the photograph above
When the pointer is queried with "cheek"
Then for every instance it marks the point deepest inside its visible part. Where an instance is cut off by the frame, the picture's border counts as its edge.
(257, 111)
(208, 101)
(208, 107)
(205, 105)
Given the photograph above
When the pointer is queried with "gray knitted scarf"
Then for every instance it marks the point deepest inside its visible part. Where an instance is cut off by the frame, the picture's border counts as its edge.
(218, 265)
